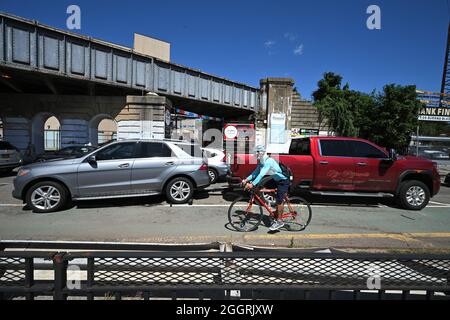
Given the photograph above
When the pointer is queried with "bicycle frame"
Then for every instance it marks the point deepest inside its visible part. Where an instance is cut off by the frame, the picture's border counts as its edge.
(264, 203)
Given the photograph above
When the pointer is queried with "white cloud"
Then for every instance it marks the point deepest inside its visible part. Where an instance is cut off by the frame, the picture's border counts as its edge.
(269, 44)
(290, 36)
(298, 51)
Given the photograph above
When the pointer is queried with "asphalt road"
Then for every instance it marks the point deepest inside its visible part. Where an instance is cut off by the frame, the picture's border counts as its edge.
(336, 222)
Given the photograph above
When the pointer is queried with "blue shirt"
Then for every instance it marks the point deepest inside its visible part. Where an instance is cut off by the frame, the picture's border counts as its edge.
(270, 167)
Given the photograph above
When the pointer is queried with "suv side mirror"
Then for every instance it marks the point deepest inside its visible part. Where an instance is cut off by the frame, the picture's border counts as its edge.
(392, 155)
(92, 159)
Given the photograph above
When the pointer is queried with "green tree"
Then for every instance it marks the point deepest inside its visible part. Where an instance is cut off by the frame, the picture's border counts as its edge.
(396, 117)
(341, 107)
(388, 118)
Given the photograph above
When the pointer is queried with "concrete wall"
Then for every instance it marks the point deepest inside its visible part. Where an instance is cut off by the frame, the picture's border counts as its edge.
(276, 97)
(144, 117)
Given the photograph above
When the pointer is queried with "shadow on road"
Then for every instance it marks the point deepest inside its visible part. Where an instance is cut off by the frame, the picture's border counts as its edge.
(8, 174)
(149, 201)
(231, 195)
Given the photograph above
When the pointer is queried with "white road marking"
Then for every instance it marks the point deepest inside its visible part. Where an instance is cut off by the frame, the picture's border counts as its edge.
(11, 205)
(445, 204)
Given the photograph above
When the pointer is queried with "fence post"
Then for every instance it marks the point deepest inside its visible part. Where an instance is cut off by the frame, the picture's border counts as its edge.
(60, 269)
(90, 277)
(29, 277)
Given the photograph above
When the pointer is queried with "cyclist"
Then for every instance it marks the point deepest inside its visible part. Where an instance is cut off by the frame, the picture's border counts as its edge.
(269, 166)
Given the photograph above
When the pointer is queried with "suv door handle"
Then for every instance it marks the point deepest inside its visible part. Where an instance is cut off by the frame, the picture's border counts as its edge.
(170, 163)
(362, 164)
(124, 165)
(323, 162)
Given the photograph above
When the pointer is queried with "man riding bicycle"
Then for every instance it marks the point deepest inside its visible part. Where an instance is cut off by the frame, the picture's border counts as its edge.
(269, 166)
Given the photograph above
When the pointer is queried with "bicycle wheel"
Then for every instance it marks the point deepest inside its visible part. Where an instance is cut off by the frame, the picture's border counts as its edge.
(243, 216)
(297, 214)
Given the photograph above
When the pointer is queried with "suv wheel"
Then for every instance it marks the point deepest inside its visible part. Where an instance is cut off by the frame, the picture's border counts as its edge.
(46, 196)
(179, 190)
(414, 195)
(213, 175)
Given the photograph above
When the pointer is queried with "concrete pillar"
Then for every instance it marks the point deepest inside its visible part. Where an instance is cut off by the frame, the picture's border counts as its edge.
(144, 117)
(273, 120)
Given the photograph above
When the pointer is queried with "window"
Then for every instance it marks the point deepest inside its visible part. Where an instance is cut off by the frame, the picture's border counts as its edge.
(209, 154)
(117, 151)
(364, 150)
(300, 147)
(335, 148)
(154, 149)
(193, 150)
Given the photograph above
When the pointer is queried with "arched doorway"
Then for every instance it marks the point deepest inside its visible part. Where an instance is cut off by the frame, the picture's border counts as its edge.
(52, 134)
(46, 132)
(102, 128)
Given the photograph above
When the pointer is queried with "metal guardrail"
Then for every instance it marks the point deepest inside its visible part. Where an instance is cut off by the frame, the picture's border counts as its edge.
(203, 272)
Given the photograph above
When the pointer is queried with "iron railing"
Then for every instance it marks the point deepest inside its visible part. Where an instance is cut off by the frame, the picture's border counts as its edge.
(204, 272)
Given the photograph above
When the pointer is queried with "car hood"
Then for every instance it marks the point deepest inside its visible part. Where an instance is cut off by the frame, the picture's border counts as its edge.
(414, 158)
(53, 162)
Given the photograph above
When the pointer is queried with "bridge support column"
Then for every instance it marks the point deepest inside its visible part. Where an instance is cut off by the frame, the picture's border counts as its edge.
(273, 120)
(144, 117)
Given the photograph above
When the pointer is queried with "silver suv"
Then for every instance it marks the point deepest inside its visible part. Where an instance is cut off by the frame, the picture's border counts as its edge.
(127, 168)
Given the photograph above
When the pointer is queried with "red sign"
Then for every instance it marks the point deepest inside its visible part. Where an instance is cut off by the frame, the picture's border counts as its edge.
(239, 131)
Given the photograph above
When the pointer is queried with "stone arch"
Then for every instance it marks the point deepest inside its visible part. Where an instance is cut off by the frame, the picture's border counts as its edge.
(94, 126)
(38, 130)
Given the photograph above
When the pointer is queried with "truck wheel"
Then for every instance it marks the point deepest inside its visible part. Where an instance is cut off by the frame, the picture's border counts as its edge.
(414, 195)
(179, 190)
(47, 196)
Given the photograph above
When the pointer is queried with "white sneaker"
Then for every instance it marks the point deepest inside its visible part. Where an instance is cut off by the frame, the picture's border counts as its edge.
(276, 225)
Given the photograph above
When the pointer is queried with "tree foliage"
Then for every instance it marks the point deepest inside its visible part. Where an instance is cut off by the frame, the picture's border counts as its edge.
(387, 118)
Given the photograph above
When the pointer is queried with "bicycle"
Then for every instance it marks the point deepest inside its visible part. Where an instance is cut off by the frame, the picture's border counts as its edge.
(245, 214)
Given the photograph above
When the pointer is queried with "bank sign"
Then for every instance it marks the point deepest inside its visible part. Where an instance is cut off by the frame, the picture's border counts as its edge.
(434, 114)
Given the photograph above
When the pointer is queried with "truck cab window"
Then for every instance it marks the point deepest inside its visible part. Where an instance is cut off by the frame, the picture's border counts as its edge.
(364, 150)
(335, 148)
(301, 147)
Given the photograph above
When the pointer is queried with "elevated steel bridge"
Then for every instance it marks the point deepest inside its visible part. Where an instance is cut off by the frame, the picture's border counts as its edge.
(35, 57)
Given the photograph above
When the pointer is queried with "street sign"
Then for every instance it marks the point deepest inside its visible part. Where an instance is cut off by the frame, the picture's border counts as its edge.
(434, 114)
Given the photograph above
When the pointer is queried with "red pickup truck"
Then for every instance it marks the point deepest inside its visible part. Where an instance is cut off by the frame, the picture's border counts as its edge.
(338, 166)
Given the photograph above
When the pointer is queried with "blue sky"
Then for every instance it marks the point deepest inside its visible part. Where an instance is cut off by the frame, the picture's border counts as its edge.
(249, 40)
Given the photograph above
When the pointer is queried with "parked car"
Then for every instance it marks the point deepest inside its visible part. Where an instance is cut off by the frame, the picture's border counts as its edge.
(217, 164)
(127, 168)
(447, 179)
(75, 151)
(434, 154)
(352, 167)
(10, 157)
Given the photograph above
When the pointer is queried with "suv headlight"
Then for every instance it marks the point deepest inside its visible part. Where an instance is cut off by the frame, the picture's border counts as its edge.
(23, 172)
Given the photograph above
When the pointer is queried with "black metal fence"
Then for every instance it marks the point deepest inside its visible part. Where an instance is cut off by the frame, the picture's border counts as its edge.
(203, 272)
